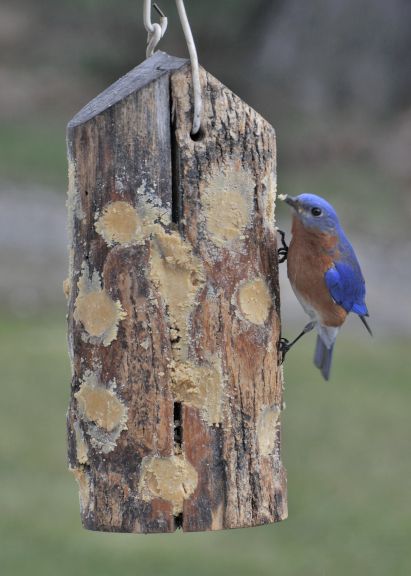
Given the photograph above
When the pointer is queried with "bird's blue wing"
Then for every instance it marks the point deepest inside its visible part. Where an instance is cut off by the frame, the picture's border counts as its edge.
(347, 287)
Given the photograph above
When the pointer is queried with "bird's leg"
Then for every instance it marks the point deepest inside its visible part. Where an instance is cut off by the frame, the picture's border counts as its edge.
(285, 345)
(283, 251)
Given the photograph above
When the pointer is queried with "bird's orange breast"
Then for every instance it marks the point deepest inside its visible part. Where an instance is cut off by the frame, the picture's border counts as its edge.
(308, 260)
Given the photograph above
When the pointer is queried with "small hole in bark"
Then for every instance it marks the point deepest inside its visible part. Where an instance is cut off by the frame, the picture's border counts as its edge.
(178, 429)
(198, 136)
(86, 192)
(178, 520)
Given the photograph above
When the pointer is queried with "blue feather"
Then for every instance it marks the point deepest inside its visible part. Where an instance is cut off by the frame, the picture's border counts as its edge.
(345, 281)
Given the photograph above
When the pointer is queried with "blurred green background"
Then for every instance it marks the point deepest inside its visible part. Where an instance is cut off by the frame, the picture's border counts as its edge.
(333, 78)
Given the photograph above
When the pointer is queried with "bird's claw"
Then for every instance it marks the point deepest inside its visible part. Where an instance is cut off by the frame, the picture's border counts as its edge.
(283, 251)
(282, 255)
(283, 348)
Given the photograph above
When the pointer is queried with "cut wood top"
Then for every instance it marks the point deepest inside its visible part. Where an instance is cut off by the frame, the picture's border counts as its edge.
(148, 71)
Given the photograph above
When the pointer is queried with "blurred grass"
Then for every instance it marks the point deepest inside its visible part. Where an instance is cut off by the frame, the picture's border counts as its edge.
(346, 448)
(33, 152)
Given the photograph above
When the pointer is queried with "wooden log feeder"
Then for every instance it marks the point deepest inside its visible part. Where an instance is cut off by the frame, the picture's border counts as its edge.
(176, 395)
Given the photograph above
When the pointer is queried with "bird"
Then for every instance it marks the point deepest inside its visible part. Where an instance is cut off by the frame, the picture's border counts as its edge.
(324, 274)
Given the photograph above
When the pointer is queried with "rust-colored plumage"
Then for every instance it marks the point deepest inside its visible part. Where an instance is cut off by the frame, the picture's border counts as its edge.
(310, 255)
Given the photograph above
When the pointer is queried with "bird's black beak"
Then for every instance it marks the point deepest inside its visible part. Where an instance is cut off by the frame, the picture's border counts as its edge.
(291, 201)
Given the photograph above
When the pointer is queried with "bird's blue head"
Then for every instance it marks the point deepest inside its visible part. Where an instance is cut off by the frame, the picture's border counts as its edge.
(314, 212)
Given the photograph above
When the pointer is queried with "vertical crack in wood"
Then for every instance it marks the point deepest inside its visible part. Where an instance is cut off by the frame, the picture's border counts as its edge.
(178, 426)
(178, 440)
(176, 190)
(176, 218)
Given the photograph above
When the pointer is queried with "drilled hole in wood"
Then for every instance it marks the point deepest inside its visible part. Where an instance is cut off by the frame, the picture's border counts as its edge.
(198, 136)
(178, 428)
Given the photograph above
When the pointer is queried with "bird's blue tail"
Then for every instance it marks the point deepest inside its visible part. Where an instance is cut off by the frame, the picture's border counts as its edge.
(323, 357)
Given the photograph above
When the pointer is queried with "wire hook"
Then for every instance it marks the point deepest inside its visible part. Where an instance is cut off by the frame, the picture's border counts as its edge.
(195, 70)
(154, 31)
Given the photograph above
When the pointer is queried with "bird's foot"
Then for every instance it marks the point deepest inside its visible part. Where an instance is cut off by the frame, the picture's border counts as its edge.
(283, 348)
(284, 345)
(283, 251)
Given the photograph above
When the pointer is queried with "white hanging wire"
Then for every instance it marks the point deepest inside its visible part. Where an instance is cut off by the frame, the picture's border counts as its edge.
(154, 31)
(195, 70)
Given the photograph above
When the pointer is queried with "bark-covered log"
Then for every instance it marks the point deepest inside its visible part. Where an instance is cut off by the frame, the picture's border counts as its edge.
(174, 417)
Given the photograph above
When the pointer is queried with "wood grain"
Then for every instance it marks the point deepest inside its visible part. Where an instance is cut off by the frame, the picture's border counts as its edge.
(242, 484)
(173, 318)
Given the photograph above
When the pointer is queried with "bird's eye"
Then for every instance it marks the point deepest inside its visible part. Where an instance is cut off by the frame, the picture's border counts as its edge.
(316, 211)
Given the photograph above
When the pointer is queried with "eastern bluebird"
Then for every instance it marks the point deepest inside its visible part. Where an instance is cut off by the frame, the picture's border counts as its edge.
(324, 273)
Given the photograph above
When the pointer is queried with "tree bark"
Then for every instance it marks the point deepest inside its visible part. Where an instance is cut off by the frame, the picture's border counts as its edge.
(174, 419)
